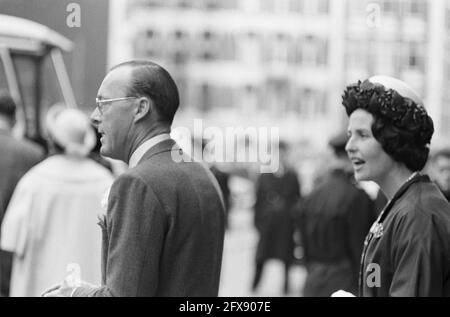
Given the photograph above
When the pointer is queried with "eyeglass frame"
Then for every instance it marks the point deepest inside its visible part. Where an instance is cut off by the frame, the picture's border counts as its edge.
(99, 102)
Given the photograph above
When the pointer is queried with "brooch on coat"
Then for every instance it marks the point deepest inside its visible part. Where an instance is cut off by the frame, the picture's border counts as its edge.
(377, 230)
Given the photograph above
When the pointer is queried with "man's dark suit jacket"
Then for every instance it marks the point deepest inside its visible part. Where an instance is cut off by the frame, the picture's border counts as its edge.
(164, 230)
(16, 158)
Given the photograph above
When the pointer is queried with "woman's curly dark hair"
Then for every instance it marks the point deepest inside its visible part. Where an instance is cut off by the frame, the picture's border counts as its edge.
(401, 126)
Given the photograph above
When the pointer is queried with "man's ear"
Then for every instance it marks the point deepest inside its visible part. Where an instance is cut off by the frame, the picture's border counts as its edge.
(144, 108)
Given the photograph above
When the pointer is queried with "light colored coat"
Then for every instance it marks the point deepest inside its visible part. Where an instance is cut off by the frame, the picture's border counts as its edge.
(51, 222)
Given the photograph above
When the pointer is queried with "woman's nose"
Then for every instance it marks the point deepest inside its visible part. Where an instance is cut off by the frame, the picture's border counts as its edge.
(350, 146)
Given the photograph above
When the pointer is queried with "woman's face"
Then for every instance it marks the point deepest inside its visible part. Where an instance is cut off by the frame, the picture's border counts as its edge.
(369, 160)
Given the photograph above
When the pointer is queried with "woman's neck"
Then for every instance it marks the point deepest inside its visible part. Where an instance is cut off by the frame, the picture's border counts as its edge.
(393, 180)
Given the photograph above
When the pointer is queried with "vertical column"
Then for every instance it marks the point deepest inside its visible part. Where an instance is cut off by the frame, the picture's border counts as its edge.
(435, 62)
(336, 62)
(119, 46)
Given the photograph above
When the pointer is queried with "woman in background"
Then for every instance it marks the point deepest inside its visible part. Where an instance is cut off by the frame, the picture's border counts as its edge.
(51, 222)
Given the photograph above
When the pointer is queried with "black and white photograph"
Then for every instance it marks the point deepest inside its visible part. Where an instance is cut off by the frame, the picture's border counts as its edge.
(227, 153)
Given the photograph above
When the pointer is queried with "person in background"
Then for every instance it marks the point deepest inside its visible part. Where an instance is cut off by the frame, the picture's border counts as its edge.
(441, 165)
(407, 250)
(17, 157)
(276, 195)
(51, 220)
(333, 221)
(221, 176)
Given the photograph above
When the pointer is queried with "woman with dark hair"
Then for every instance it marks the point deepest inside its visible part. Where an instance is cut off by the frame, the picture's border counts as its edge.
(407, 251)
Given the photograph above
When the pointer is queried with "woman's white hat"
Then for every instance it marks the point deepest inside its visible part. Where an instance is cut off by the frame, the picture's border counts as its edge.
(400, 86)
(70, 128)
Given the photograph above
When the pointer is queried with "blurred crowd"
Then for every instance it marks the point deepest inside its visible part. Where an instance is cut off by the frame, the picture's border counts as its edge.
(51, 198)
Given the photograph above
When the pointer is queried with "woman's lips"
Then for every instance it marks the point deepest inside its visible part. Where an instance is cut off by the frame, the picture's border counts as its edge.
(357, 163)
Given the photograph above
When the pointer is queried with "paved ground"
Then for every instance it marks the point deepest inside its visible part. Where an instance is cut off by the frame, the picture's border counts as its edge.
(237, 267)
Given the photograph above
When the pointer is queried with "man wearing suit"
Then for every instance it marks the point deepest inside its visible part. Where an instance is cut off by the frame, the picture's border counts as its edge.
(17, 157)
(164, 229)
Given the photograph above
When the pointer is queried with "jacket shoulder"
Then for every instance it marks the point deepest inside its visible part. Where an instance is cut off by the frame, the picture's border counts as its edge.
(422, 208)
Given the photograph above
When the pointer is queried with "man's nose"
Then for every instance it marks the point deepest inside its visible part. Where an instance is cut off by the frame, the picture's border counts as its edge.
(95, 118)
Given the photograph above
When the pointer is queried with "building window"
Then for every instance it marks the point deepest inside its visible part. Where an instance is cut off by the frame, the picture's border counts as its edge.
(322, 52)
(147, 44)
(220, 4)
(268, 5)
(206, 98)
(295, 6)
(230, 4)
(312, 7)
(310, 102)
(306, 102)
(322, 6)
(281, 6)
(228, 45)
(180, 35)
(184, 4)
(249, 48)
(391, 7)
(320, 103)
(447, 69)
(180, 57)
(312, 51)
(277, 95)
(385, 57)
(207, 35)
(417, 8)
(281, 49)
(357, 54)
(207, 51)
(150, 3)
(356, 8)
(414, 56)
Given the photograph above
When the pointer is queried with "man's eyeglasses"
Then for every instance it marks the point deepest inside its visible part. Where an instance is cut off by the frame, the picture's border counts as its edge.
(101, 103)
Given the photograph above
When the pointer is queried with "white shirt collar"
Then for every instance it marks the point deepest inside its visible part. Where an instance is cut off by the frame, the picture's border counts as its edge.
(144, 147)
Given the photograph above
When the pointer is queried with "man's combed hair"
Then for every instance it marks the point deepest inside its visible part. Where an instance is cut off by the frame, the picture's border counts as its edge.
(152, 80)
(401, 126)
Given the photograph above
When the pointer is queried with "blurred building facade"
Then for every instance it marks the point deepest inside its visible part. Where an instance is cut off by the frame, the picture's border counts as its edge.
(284, 63)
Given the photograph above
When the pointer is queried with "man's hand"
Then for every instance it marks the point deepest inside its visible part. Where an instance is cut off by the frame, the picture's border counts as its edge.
(60, 290)
(342, 293)
(64, 289)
